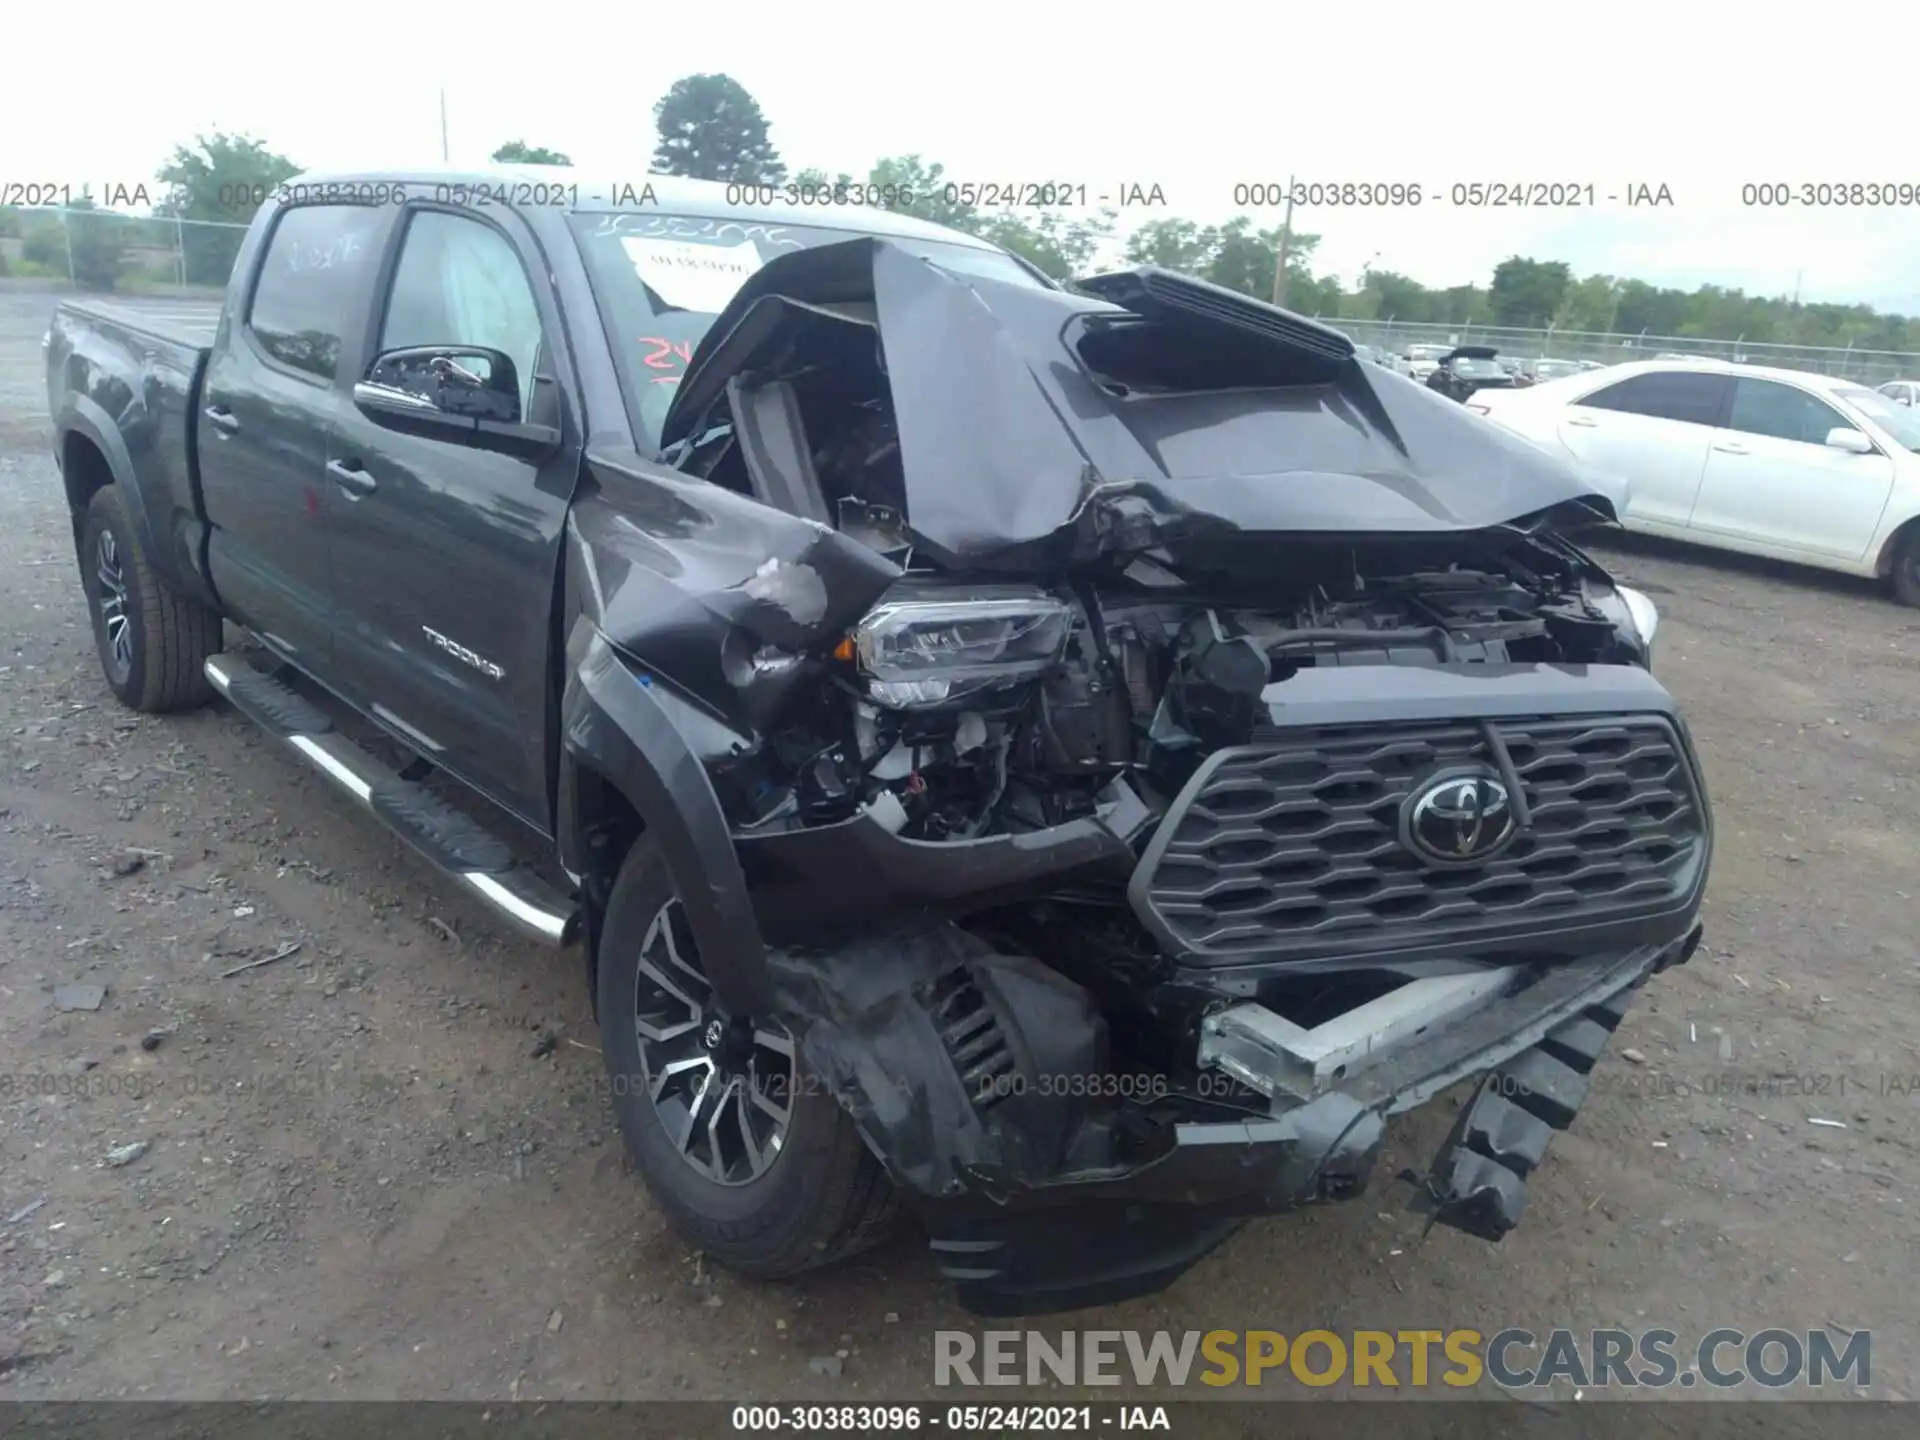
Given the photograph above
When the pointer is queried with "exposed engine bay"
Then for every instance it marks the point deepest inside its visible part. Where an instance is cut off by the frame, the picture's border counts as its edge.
(1142, 676)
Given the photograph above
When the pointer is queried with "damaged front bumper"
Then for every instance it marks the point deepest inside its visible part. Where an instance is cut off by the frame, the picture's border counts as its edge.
(1034, 1237)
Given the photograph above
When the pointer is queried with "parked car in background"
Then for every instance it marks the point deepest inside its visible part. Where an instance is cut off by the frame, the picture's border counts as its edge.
(1467, 370)
(1902, 392)
(1539, 371)
(1772, 462)
(1423, 360)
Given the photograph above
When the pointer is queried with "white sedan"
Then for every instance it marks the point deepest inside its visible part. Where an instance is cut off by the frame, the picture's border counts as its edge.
(1423, 360)
(1781, 463)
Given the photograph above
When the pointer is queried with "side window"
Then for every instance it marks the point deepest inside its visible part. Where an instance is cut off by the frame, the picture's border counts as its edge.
(1683, 395)
(1766, 407)
(311, 281)
(460, 282)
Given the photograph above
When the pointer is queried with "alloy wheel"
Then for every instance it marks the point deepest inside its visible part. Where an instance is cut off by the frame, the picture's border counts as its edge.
(721, 1085)
(111, 588)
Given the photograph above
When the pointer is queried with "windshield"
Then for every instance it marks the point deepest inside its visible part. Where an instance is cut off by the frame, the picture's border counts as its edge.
(1426, 352)
(1477, 369)
(1554, 369)
(660, 281)
(1899, 421)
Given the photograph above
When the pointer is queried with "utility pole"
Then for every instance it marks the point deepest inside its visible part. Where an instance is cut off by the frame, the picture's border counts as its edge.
(443, 124)
(1286, 243)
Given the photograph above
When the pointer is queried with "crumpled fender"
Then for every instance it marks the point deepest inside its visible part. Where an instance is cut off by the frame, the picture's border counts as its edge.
(695, 581)
(669, 576)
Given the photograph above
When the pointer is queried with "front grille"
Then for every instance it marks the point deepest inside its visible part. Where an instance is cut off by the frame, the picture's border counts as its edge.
(1291, 848)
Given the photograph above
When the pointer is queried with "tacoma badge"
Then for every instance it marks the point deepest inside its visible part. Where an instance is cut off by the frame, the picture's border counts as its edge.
(461, 653)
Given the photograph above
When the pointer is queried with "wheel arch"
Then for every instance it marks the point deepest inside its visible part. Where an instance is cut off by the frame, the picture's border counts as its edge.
(84, 468)
(1883, 563)
(93, 456)
(626, 770)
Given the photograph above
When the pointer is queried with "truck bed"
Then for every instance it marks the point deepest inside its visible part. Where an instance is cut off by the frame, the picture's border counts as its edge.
(181, 322)
(123, 384)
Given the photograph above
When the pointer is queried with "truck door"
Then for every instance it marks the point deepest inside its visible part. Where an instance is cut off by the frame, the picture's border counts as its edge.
(445, 554)
(267, 406)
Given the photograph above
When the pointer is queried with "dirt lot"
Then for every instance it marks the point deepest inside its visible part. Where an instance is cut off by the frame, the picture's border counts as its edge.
(385, 1167)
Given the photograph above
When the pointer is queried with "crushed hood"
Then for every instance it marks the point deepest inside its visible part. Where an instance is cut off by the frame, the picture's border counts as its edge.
(1015, 449)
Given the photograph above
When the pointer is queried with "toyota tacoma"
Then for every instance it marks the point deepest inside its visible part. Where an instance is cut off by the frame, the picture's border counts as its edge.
(1070, 762)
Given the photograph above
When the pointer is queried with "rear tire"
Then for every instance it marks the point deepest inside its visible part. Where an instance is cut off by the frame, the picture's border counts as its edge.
(766, 1197)
(152, 644)
(1906, 568)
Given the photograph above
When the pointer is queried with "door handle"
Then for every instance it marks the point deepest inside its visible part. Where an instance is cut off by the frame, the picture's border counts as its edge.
(352, 477)
(223, 419)
(1731, 449)
(1582, 422)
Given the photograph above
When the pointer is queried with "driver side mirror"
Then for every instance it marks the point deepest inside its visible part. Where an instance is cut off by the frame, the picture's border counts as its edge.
(1843, 437)
(465, 393)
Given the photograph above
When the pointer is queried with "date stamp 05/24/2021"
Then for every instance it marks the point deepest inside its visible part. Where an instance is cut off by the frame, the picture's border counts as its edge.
(566, 190)
(1375, 193)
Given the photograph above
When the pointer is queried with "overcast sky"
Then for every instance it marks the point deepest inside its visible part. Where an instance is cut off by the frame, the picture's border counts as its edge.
(1699, 99)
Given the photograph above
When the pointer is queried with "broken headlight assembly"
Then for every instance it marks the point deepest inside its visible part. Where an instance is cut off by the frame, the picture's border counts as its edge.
(1644, 616)
(924, 646)
(1634, 617)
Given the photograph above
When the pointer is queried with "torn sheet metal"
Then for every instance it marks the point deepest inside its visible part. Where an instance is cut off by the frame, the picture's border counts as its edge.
(1014, 452)
(933, 1043)
(690, 577)
(967, 1072)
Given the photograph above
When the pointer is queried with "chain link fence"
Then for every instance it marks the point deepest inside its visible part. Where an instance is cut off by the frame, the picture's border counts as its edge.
(107, 251)
(1846, 363)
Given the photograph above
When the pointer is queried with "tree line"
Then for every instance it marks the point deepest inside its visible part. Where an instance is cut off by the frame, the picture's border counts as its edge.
(710, 127)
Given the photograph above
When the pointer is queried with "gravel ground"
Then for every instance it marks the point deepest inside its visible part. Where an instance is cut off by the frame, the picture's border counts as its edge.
(385, 1166)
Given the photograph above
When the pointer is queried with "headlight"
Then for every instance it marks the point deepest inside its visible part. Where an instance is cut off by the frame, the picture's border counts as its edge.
(926, 645)
(1644, 614)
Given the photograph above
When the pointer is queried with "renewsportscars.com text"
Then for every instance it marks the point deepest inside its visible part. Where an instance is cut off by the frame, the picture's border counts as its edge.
(1405, 1359)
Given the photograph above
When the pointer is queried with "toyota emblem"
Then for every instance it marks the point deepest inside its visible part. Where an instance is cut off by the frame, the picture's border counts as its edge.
(1459, 818)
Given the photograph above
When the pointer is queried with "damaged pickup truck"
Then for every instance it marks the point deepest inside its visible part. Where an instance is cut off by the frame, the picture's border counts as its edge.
(1074, 763)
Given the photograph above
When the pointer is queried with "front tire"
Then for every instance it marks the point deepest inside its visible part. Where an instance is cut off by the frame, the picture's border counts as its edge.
(1906, 568)
(152, 644)
(751, 1161)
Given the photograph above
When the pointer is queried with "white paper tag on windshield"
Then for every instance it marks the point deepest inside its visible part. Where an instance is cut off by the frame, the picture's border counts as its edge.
(701, 278)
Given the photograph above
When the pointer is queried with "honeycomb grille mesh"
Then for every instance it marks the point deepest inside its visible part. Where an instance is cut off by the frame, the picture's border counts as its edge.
(1293, 844)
